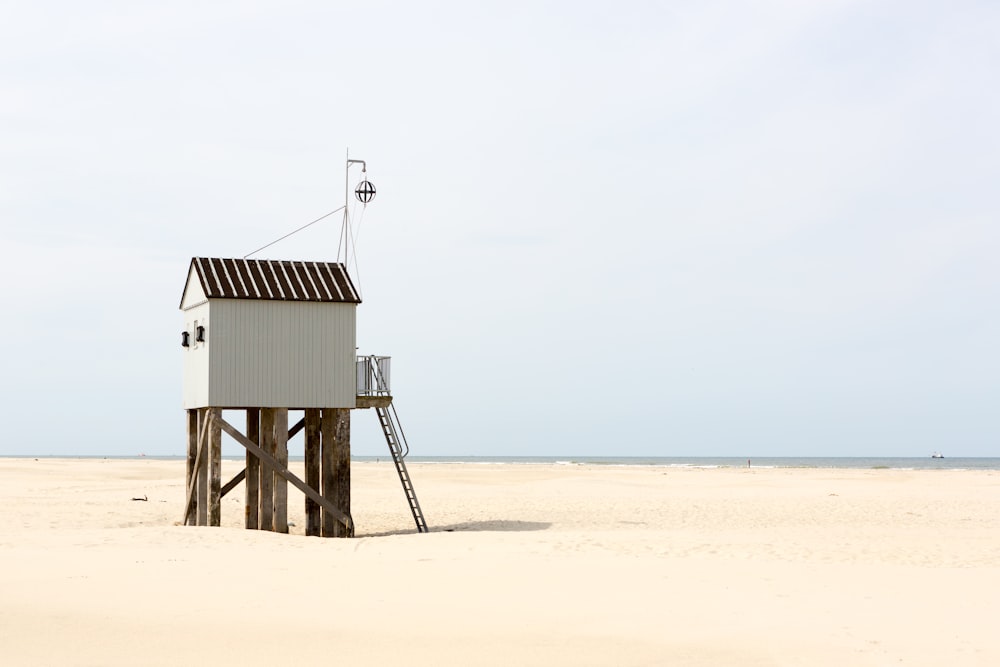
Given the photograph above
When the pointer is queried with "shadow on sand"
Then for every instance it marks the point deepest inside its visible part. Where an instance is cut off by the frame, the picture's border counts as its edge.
(495, 525)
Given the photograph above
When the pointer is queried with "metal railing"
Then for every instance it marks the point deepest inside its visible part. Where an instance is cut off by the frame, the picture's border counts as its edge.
(373, 375)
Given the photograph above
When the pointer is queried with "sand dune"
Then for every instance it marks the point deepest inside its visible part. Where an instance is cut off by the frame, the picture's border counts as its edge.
(525, 565)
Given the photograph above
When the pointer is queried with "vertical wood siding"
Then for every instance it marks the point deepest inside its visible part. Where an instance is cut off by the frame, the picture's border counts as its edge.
(278, 354)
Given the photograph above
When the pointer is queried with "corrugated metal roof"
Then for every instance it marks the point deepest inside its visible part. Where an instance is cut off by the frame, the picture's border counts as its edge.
(272, 280)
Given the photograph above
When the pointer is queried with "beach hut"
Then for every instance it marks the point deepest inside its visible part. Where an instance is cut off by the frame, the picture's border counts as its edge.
(267, 337)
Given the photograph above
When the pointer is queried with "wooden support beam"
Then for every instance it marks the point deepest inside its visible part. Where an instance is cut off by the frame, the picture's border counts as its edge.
(233, 483)
(204, 416)
(294, 431)
(252, 490)
(328, 425)
(270, 462)
(266, 475)
(253, 426)
(336, 455)
(189, 506)
(312, 452)
(280, 519)
(252, 469)
(215, 468)
(342, 470)
(191, 417)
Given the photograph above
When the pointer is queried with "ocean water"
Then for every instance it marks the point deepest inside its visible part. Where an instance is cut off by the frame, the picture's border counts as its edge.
(873, 462)
(899, 463)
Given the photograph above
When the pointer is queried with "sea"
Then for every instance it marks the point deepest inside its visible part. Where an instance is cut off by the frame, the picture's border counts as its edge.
(872, 462)
(898, 463)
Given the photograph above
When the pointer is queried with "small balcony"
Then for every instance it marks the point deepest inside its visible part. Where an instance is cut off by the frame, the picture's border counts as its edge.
(373, 381)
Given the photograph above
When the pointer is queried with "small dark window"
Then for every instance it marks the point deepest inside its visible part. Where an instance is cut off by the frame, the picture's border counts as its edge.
(185, 339)
(199, 334)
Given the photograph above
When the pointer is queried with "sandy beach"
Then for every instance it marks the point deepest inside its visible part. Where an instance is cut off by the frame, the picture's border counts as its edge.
(524, 565)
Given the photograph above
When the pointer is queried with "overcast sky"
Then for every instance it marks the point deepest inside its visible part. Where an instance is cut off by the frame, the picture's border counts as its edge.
(676, 229)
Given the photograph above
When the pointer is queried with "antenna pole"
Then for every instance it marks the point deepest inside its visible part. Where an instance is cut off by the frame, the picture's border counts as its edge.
(343, 227)
(344, 240)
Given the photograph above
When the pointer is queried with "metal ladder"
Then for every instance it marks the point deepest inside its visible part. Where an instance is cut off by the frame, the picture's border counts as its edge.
(389, 420)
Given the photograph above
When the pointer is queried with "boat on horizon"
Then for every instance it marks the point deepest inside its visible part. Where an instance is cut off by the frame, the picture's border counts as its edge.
(937, 455)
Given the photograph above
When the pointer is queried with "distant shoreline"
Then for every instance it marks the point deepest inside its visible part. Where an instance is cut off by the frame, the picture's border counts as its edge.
(788, 462)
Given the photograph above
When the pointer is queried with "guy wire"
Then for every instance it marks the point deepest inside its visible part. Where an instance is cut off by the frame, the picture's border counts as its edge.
(294, 232)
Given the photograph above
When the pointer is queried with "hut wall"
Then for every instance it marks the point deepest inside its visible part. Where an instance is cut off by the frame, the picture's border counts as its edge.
(196, 358)
(278, 354)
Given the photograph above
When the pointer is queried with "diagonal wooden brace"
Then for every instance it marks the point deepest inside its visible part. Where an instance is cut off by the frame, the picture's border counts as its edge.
(285, 474)
(241, 475)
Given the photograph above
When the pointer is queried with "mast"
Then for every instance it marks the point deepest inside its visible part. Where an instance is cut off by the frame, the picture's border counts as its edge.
(364, 192)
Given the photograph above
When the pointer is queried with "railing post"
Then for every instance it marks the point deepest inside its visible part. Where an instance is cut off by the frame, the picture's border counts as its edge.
(383, 374)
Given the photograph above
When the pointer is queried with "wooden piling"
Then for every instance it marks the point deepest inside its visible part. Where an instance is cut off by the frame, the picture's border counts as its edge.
(215, 468)
(336, 455)
(342, 473)
(192, 457)
(202, 490)
(252, 492)
(266, 474)
(312, 466)
(280, 519)
(327, 464)
(328, 427)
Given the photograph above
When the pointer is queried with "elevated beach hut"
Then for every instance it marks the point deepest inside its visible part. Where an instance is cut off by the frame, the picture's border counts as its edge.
(266, 337)
(270, 334)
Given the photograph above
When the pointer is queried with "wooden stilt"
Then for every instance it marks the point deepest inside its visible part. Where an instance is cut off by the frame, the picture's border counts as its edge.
(328, 469)
(252, 494)
(190, 503)
(202, 491)
(312, 455)
(266, 475)
(342, 470)
(192, 457)
(328, 428)
(215, 468)
(336, 474)
(280, 519)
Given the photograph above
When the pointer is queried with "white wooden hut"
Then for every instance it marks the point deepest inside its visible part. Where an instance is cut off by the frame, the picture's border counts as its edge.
(275, 334)
(267, 337)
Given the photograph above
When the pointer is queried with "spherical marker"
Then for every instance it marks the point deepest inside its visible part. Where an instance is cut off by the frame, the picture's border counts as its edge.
(365, 192)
